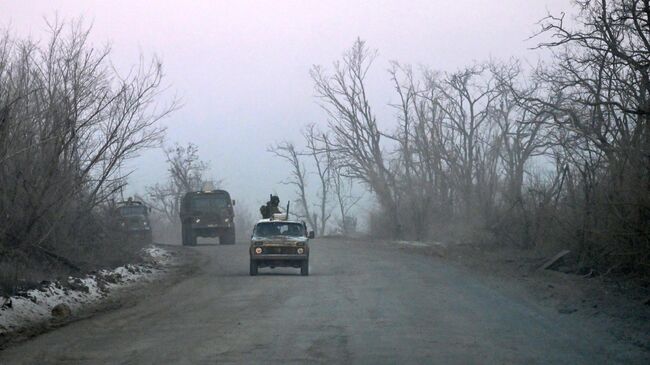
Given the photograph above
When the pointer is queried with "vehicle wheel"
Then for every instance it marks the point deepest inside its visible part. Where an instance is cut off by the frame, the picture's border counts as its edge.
(189, 239)
(253, 268)
(227, 238)
(184, 238)
(304, 268)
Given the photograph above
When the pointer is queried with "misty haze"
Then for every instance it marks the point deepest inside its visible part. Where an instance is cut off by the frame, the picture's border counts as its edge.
(348, 182)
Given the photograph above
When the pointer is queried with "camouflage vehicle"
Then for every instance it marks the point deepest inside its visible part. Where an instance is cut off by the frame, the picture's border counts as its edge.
(278, 242)
(133, 218)
(207, 214)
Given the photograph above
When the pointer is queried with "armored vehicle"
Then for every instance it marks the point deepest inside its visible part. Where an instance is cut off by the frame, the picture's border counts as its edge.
(207, 214)
(133, 218)
(278, 242)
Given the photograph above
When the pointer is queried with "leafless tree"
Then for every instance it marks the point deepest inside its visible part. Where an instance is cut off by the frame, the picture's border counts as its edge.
(467, 97)
(602, 83)
(68, 121)
(287, 151)
(345, 197)
(355, 135)
(557, 153)
(321, 157)
(186, 172)
(522, 136)
(448, 146)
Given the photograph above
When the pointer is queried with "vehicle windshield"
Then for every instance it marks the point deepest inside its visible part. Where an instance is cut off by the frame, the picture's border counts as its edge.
(132, 210)
(209, 202)
(279, 229)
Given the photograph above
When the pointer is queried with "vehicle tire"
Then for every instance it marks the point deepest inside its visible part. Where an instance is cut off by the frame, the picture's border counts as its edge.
(227, 238)
(189, 239)
(184, 238)
(304, 268)
(192, 237)
(253, 268)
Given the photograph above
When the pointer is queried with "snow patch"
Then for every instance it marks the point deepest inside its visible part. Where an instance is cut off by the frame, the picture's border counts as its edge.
(421, 244)
(35, 305)
(157, 253)
(413, 243)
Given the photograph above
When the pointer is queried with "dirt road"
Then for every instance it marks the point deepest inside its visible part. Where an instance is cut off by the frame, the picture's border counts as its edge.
(364, 302)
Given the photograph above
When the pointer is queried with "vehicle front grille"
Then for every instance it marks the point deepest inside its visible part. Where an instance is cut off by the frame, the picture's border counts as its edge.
(279, 250)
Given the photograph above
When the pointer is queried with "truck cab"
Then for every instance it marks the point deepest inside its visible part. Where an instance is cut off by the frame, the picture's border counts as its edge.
(207, 214)
(133, 219)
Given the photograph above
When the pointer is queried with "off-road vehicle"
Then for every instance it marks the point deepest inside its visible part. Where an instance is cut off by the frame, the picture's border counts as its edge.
(133, 219)
(278, 242)
(207, 214)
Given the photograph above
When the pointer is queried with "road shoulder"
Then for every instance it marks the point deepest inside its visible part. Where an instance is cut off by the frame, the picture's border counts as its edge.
(57, 304)
(616, 304)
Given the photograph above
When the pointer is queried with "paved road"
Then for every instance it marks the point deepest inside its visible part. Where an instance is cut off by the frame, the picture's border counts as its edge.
(364, 302)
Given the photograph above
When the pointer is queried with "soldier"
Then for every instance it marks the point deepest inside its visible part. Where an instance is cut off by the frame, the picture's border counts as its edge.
(271, 207)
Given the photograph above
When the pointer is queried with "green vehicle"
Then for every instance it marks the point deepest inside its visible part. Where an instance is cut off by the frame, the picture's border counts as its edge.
(133, 219)
(207, 214)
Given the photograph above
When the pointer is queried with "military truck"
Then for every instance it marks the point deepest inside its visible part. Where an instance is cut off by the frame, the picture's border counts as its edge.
(279, 242)
(133, 218)
(207, 214)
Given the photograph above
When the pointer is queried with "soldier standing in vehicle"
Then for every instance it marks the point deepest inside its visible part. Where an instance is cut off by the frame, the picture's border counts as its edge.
(271, 207)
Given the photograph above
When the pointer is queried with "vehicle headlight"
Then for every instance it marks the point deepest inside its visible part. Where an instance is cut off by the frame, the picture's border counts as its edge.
(198, 220)
(258, 250)
(300, 250)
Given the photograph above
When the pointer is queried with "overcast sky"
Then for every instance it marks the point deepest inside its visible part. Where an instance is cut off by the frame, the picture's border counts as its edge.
(242, 67)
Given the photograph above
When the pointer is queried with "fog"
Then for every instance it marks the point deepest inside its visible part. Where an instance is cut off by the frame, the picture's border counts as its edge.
(469, 182)
(241, 68)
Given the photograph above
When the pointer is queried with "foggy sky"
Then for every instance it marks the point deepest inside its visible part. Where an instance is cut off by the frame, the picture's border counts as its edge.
(242, 67)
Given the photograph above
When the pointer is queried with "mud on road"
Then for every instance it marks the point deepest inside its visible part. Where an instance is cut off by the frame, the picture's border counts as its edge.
(364, 302)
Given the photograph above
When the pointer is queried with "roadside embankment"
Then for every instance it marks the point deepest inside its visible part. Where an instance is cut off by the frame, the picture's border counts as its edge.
(54, 303)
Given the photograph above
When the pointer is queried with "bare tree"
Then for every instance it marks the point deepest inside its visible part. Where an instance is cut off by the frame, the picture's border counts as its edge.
(355, 135)
(68, 122)
(287, 151)
(423, 180)
(601, 82)
(321, 157)
(466, 100)
(469, 144)
(345, 197)
(448, 146)
(186, 173)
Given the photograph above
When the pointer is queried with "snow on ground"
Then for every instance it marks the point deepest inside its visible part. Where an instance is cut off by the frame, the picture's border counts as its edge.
(421, 244)
(157, 253)
(36, 305)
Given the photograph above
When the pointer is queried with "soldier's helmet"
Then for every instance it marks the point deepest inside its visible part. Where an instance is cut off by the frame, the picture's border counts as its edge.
(275, 200)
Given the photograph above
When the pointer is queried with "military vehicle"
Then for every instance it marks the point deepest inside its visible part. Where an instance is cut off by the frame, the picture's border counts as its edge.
(279, 242)
(133, 218)
(207, 214)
